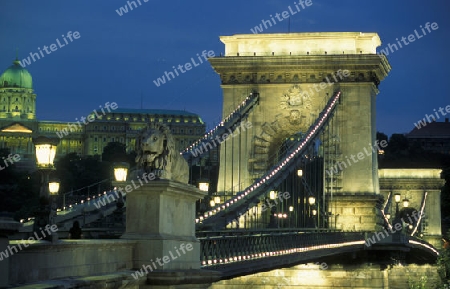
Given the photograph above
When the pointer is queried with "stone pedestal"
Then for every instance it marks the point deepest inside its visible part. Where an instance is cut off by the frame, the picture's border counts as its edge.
(161, 216)
(161, 219)
(7, 226)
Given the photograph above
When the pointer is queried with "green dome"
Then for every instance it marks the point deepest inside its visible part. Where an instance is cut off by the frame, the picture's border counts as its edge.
(16, 76)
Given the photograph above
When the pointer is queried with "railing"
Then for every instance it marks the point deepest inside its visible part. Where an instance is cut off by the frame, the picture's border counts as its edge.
(221, 250)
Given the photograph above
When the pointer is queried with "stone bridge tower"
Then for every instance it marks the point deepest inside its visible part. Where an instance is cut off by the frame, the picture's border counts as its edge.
(295, 75)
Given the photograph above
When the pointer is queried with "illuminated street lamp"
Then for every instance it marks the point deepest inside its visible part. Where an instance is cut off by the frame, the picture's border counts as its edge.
(53, 187)
(405, 203)
(45, 149)
(300, 172)
(121, 171)
(203, 186)
(291, 208)
(217, 200)
(311, 200)
(273, 195)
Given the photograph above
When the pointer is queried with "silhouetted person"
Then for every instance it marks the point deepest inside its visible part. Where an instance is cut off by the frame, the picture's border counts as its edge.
(75, 231)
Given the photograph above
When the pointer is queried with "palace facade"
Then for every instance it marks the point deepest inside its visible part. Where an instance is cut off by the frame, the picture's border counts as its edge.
(19, 125)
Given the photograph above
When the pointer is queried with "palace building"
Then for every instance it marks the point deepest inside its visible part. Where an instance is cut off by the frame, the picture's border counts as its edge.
(19, 125)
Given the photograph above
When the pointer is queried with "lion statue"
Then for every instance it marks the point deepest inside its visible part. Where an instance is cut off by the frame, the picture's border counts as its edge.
(156, 153)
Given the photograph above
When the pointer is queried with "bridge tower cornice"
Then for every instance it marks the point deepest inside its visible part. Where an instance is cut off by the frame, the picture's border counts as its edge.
(300, 68)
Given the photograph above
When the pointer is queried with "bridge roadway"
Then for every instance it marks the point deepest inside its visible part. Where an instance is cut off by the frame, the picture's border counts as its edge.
(242, 252)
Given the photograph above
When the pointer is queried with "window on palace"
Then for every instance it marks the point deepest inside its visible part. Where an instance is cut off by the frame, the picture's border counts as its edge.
(104, 128)
(190, 131)
(104, 139)
(181, 130)
(95, 139)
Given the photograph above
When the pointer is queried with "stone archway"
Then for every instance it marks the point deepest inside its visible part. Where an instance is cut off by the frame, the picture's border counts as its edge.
(296, 115)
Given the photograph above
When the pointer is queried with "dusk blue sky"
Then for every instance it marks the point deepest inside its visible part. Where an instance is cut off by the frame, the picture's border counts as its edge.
(118, 57)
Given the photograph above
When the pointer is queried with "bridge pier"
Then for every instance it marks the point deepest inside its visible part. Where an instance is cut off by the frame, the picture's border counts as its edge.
(355, 212)
(161, 220)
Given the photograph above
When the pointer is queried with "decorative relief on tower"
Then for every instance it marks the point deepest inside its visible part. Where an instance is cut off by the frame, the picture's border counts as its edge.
(296, 103)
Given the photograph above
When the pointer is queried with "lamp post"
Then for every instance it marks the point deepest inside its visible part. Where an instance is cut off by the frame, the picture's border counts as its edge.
(120, 176)
(291, 209)
(311, 202)
(45, 149)
(397, 198)
(53, 188)
(314, 213)
(397, 219)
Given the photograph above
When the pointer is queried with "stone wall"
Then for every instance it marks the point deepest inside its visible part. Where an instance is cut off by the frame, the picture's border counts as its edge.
(43, 260)
(336, 277)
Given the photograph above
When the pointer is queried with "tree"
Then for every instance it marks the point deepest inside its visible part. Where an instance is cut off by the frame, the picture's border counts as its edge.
(19, 190)
(114, 152)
